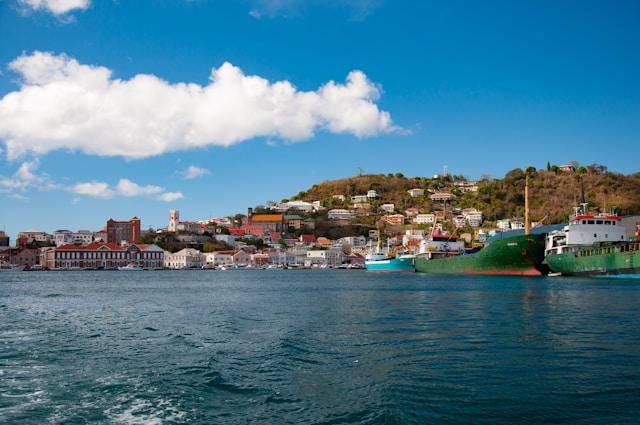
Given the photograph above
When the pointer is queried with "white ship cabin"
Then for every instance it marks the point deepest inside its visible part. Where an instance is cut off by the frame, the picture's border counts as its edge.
(585, 230)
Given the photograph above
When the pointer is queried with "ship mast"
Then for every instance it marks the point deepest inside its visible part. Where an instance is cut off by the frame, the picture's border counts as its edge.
(527, 223)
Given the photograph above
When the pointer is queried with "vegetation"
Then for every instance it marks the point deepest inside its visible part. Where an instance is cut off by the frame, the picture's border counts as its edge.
(553, 193)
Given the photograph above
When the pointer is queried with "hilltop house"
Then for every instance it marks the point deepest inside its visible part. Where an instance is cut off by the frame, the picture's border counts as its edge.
(416, 192)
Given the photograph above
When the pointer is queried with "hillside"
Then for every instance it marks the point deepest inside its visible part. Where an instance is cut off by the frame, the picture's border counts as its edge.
(553, 193)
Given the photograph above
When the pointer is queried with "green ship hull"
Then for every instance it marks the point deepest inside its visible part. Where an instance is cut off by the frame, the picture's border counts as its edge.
(518, 255)
(604, 260)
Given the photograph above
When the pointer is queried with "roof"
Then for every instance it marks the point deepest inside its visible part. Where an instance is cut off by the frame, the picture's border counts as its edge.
(92, 247)
(266, 218)
(310, 237)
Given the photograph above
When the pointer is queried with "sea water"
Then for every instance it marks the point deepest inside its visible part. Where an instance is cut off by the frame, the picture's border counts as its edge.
(316, 346)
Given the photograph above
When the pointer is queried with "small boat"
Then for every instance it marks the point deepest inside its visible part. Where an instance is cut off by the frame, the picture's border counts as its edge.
(131, 267)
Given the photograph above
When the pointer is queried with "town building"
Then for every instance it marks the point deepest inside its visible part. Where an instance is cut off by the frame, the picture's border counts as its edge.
(416, 192)
(372, 194)
(394, 219)
(425, 219)
(473, 216)
(20, 256)
(459, 221)
(219, 258)
(268, 222)
(442, 197)
(66, 237)
(103, 255)
(339, 214)
(32, 236)
(466, 186)
(358, 199)
(387, 208)
(339, 197)
(412, 212)
(174, 219)
(123, 231)
(4, 238)
(301, 206)
(503, 225)
(293, 222)
(187, 258)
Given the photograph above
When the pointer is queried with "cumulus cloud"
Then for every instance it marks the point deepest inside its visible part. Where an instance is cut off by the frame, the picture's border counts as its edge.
(93, 189)
(170, 196)
(56, 7)
(63, 104)
(25, 178)
(193, 172)
(124, 188)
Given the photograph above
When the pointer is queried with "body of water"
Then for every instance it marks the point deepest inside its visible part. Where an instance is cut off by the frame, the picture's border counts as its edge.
(326, 347)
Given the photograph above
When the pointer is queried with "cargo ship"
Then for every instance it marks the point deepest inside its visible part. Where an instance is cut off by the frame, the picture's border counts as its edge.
(592, 245)
(520, 255)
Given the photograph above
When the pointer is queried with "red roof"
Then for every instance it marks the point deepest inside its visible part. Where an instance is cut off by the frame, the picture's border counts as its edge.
(307, 238)
(236, 231)
(92, 247)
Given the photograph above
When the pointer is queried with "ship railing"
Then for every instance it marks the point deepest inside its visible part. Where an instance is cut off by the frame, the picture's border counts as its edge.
(628, 247)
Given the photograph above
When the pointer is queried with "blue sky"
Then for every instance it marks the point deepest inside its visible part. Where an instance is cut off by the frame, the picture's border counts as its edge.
(482, 87)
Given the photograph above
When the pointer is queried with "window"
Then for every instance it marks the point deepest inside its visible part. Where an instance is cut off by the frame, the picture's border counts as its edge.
(599, 222)
(590, 222)
(584, 221)
(595, 235)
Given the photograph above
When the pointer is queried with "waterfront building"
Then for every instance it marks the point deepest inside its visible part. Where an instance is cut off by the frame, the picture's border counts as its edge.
(219, 258)
(23, 257)
(103, 255)
(425, 219)
(123, 231)
(241, 258)
(187, 258)
(416, 192)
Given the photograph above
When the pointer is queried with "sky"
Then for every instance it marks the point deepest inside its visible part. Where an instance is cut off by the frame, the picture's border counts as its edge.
(122, 108)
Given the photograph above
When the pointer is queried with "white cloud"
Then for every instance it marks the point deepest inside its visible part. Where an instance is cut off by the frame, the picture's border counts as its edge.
(193, 172)
(357, 9)
(124, 188)
(25, 178)
(128, 188)
(63, 104)
(94, 189)
(170, 196)
(56, 7)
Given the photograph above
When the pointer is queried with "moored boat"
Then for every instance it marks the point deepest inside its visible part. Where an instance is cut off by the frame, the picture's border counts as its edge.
(131, 267)
(517, 255)
(592, 245)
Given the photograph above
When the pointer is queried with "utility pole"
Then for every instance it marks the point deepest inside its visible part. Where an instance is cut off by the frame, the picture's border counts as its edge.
(360, 170)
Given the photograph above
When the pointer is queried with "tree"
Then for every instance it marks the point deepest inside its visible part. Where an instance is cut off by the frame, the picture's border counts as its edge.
(548, 166)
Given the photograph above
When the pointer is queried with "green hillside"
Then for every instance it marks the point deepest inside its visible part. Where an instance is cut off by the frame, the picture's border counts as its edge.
(553, 193)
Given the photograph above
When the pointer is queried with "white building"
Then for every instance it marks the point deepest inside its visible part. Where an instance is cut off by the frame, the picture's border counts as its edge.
(359, 199)
(425, 219)
(32, 235)
(387, 208)
(503, 225)
(332, 257)
(517, 223)
(218, 258)
(372, 194)
(339, 214)
(339, 197)
(297, 205)
(186, 258)
(473, 216)
(416, 192)
(443, 197)
(353, 241)
(459, 221)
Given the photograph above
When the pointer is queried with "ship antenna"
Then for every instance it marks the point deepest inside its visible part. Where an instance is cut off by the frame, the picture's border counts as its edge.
(527, 223)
